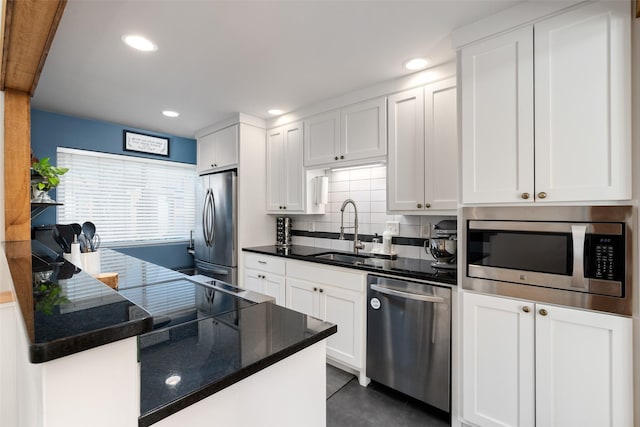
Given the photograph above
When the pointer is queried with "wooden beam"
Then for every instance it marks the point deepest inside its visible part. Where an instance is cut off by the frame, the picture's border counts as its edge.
(17, 159)
(29, 29)
(637, 8)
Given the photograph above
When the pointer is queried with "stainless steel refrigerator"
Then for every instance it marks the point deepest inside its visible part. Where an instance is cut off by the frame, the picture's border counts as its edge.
(216, 233)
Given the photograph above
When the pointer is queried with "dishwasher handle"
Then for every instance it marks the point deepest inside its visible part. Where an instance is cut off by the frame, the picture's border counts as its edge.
(407, 295)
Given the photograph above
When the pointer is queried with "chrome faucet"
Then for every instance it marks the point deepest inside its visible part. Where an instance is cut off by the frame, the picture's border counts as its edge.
(356, 243)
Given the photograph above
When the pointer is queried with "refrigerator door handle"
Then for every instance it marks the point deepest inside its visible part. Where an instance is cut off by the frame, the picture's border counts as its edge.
(212, 215)
(205, 228)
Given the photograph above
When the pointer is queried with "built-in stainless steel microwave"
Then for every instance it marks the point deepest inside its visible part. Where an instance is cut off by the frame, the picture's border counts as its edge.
(576, 256)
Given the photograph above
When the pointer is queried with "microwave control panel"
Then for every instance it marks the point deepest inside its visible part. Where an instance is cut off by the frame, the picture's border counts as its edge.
(605, 260)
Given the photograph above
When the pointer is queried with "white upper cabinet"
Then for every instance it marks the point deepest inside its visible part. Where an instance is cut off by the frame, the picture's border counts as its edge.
(364, 130)
(322, 138)
(218, 149)
(289, 186)
(582, 104)
(285, 173)
(497, 119)
(423, 149)
(581, 92)
(349, 135)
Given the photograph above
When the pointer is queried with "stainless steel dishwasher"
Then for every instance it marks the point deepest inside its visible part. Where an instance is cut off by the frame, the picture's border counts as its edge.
(409, 338)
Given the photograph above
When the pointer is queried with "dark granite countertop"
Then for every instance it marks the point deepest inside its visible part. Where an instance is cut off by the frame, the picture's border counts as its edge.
(65, 310)
(403, 267)
(205, 356)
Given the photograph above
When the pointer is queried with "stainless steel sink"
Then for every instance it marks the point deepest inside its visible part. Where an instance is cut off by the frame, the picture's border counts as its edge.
(342, 257)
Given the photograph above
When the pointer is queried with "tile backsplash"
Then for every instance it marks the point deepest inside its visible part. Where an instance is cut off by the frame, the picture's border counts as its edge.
(368, 188)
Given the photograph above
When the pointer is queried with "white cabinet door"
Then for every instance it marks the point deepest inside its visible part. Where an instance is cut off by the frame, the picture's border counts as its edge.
(583, 368)
(275, 178)
(441, 146)
(273, 285)
(498, 383)
(322, 139)
(227, 147)
(293, 169)
(497, 119)
(218, 149)
(344, 308)
(364, 130)
(302, 296)
(405, 171)
(206, 152)
(253, 280)
(582, 104)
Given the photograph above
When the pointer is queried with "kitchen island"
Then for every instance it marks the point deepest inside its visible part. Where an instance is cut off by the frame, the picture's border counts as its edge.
(185, 354)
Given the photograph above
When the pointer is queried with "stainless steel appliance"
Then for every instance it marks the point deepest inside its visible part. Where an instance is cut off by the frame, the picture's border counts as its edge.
(576, 256)
(215, 240)
(409, 338)
(443, 245)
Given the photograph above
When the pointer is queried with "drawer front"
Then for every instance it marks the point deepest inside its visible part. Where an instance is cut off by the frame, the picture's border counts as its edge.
(326, 274)
(265, 263)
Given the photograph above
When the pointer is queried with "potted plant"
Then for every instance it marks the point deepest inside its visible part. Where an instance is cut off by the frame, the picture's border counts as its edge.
(44, 177)
(48, 296)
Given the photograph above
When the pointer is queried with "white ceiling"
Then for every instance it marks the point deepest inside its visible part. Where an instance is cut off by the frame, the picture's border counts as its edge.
(216, 58)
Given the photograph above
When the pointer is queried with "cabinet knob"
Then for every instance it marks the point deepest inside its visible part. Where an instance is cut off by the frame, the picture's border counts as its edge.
(284, 207)
(321, 290)
(543, 312)
(542, 195)
(315, 289)
(212, 165)
(419, 205)
(427, 205)
(526, 309)
(525, 196)
(341, 157)
(336, 158)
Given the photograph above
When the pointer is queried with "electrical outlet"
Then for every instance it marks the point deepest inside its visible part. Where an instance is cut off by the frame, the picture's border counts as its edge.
(393, 227)
(426, 231)
(312, 226)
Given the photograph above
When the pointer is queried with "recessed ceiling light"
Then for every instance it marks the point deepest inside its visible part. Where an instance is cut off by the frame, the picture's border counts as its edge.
(416, 63)
(275, 112)
(169, 113)
(139, 42)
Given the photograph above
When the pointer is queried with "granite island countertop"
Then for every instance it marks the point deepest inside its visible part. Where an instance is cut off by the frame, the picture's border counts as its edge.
(194, 339)
(402, 267)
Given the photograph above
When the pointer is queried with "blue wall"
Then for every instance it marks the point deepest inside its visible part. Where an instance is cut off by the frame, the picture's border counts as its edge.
(51, 130)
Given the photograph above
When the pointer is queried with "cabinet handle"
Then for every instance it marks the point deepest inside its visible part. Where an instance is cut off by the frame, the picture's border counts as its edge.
(262, 262)
(284, 207)
(525, 196)
(315, 289)
(321, 290)
(526, 309)
(341, 157)
(212, 165)
(542, 195)
(335, 158)
(419, 205)
(427, 205)
(543, 312)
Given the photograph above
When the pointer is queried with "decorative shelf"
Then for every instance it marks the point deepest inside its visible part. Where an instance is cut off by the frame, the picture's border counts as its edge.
(37, 208)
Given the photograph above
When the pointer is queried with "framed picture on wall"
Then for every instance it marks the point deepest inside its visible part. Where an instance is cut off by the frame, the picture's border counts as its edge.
(143, 143)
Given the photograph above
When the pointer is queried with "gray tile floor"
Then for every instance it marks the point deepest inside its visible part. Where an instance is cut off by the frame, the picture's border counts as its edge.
(349, 404)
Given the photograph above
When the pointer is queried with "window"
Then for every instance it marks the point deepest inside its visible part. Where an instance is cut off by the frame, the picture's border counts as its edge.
(131, 200)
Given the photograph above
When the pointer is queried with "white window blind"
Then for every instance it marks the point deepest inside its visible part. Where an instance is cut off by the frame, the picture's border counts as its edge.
(131, 200)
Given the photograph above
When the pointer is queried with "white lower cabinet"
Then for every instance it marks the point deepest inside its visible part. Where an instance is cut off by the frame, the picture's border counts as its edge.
(265, 275)
(337, 296)
(529, 364)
